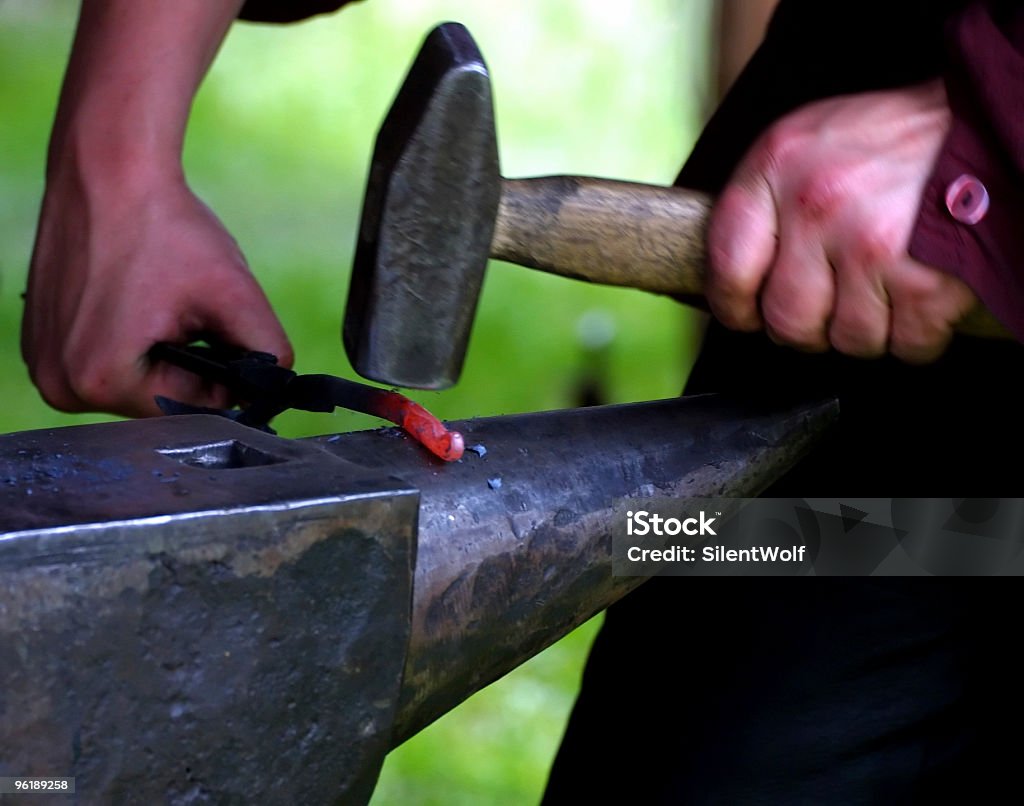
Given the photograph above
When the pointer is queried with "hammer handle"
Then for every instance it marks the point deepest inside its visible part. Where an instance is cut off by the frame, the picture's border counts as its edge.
(604, 231)
(624, 233)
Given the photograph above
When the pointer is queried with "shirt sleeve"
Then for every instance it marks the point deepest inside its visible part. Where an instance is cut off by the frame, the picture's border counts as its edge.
(980, 239)
(284, 11)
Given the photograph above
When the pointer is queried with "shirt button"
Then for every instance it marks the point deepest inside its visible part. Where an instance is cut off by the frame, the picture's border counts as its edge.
(967, 199)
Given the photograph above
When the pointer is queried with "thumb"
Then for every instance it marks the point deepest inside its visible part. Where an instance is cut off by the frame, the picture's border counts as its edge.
(742, 243)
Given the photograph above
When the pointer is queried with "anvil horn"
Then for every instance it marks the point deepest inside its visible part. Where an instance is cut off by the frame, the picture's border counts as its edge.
(196, 610)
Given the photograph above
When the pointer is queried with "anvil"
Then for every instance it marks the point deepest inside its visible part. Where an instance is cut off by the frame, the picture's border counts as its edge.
(194, 611)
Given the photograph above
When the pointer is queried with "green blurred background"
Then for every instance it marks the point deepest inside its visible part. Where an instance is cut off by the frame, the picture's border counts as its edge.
(279, 146)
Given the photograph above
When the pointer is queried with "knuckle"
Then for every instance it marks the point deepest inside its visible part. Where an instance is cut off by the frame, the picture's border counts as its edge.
(917, 341)
(732, 298)
(777, 146)
(68, 404)
(821, 194)
(57, 394)
(93, 386)
(90, 389)
(856, 338)
(920, 316)
(918, 352)
(49, 380)
(874, 247)
(918, 289)
(729, 277)
(733, 317)
(797, 303)
(39, 371)
(794, 330)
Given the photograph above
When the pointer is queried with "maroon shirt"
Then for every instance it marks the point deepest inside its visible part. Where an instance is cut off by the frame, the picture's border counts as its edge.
(984, 73)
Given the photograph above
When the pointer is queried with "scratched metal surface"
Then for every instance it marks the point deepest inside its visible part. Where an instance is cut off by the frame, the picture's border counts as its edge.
(515, 545)
(428, 215)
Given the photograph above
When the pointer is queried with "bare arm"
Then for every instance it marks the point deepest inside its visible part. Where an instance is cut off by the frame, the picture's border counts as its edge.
(125, 254)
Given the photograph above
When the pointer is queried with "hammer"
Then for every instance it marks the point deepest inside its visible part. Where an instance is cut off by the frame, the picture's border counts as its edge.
(436, 208)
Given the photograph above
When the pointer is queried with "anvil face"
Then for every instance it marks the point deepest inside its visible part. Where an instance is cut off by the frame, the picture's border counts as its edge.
(195, 609)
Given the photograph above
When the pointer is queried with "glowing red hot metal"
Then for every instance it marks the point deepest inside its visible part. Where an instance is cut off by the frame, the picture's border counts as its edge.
(419, 423)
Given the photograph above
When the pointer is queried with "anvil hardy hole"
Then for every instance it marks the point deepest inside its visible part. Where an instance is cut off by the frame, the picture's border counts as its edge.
(226, 455)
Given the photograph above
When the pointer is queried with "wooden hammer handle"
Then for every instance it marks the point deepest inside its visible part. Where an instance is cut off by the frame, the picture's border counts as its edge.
(624, 233)
(604, 231)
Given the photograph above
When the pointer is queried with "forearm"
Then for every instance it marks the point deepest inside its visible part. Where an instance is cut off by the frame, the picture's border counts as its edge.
(126, 256)
(134, 69)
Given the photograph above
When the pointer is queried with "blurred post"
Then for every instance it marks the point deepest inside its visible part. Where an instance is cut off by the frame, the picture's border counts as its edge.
(595, 333)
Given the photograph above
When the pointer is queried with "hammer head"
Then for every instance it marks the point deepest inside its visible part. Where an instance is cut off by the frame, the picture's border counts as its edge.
(427, 222)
